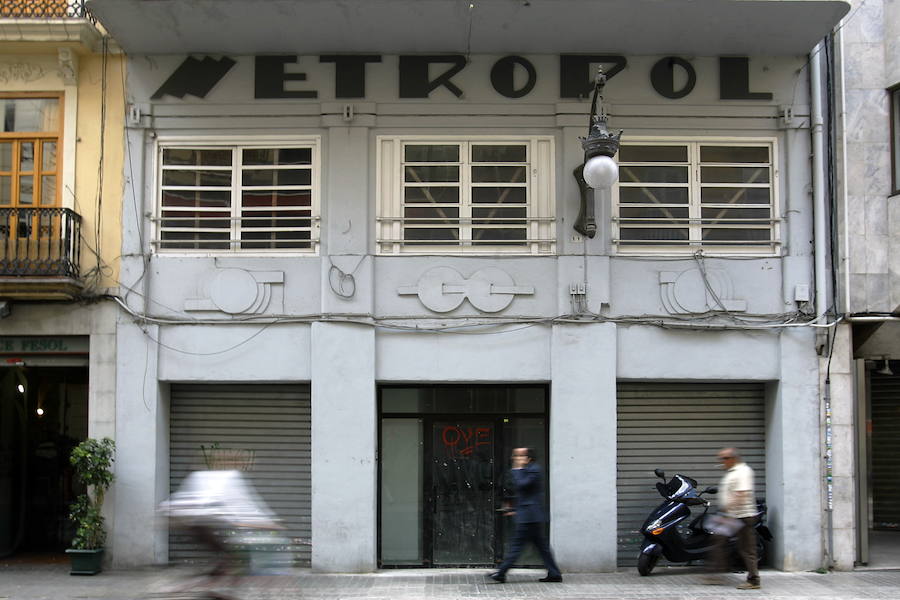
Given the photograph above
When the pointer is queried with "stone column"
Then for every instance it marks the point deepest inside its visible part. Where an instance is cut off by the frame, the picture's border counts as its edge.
(344, 466)
(843, 439)
(583, 447)
(135, 539)
(794, 468)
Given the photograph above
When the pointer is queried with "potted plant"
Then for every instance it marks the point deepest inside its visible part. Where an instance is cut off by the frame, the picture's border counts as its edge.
(92, 460)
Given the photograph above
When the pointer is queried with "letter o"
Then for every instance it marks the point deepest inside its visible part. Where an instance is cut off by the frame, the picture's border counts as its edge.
(502, 76)
(446, 439)
(663, 80)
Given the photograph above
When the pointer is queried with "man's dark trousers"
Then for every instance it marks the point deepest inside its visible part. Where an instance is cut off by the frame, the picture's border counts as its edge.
(746, 548)
(529, 532)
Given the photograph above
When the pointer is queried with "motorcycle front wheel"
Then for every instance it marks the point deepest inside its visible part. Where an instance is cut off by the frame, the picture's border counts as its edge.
(646, 562)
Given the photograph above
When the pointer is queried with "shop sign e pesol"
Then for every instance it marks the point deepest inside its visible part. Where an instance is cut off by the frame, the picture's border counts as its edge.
(29, 345)
(419, 75)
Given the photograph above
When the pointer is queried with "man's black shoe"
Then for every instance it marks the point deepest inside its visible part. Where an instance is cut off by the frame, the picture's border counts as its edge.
(498, 577)
(551, 579)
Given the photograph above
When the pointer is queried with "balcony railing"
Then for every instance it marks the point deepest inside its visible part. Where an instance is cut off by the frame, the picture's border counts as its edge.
(44, 9)
(39, 242)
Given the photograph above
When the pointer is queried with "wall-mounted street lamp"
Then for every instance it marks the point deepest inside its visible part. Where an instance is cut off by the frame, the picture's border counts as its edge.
(599, 171)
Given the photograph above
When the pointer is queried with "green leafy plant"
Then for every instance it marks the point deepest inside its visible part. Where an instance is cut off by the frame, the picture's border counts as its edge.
(92, 460)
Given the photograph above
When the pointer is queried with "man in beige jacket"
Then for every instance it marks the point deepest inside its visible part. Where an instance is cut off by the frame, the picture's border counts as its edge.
(737, 500)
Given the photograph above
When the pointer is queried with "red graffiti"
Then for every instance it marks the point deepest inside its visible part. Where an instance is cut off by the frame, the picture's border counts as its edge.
(461, 441)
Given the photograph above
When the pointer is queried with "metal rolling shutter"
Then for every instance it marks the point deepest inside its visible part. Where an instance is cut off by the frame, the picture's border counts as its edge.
(679, 427)
(271, 420)
(885, 390)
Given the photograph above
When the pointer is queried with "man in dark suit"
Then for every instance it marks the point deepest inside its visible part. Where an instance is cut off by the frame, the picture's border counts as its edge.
(530, 516)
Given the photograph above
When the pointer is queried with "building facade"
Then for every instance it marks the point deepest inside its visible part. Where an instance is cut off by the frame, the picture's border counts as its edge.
(61, 177)
(357, 253)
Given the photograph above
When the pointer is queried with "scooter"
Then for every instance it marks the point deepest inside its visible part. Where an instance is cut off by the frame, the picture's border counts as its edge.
(660, 531)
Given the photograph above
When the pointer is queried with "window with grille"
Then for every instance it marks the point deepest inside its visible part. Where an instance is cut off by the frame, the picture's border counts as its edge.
(474, 195)
(683, 197)
(241, 198)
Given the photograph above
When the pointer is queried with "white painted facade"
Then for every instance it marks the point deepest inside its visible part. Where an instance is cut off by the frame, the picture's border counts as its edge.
(346, 347)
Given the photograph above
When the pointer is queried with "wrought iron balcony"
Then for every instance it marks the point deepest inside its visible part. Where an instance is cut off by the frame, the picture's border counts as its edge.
(44, 9)
(40, 250)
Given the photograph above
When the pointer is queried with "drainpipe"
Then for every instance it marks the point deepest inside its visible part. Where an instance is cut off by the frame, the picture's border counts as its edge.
(820, 230)
(820, 245)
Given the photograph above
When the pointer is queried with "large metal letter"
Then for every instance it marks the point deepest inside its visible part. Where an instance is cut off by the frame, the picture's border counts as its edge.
(194, 77)
(270, 78)
(503, 75)
(350, 73)
(662, 76)
(414, 81)
(734, 80)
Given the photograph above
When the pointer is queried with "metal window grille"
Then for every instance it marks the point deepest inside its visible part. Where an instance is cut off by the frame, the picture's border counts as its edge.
(443, 195)
(696, 196)
(238, 198)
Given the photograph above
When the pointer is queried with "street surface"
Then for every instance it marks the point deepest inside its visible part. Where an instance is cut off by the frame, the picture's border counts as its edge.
(52, 582)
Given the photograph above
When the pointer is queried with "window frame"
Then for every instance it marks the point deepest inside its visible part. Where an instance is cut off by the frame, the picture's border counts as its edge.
(238, 144)
(540, 183)
(694, 185)
(894, 110)
(38, 138)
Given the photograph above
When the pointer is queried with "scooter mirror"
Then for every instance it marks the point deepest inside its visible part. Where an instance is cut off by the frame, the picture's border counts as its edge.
(660, 473)
(711, 490)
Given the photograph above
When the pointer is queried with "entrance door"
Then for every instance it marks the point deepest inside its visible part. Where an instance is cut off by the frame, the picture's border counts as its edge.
(462, 479)
(43, 416)
(444, 470)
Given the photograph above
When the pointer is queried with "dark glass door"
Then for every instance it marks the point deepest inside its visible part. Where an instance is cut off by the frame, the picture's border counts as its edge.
(444, 470)
(462, 492)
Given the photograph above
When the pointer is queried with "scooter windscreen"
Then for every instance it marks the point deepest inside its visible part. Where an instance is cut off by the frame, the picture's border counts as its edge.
(679, 486)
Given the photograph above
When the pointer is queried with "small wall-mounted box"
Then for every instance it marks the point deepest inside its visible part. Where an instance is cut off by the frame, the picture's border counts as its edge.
(801, 292)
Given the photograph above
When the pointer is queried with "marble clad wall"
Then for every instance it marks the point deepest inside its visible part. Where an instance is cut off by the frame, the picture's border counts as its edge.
(871, 52)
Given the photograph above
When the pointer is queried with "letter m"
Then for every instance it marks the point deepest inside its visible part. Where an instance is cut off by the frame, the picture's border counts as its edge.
(194, 77)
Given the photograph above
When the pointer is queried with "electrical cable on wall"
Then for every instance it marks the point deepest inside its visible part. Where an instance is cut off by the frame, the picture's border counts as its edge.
(343, 284)
(471, 4)
(477, 325)
(104, 63)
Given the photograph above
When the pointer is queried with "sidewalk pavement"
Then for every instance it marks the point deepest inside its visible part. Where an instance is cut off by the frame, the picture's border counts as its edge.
(673, 583)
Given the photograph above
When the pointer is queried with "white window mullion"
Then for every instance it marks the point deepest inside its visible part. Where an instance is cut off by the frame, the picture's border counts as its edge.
(389, 195)
(236, 184)
(694, 210)
(465, 196)
(533, 208)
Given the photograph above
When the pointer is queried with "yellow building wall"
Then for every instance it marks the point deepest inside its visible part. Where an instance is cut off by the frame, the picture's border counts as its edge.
(92, 144)
(99, 162)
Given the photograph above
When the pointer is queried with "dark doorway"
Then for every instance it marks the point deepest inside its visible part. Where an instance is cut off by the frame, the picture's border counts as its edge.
(43, 415)
(444, 471)
(462, 483)
(881, 502)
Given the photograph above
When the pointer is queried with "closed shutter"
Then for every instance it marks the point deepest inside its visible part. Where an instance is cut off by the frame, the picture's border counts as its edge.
(272, 421)
(885, 391)
(679, 428)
